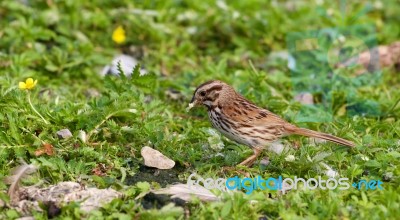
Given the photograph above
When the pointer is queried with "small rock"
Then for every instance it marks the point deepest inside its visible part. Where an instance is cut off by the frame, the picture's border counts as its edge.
(92, 93)
(64, 134)
(148, 99)
(277, 147)
(127, 62)
(153, 158)
(265, 161)
(305, 98)
(62, 193)
(92, 198)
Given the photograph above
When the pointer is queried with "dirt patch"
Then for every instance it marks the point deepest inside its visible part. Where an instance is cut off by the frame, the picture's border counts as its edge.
(163, 177)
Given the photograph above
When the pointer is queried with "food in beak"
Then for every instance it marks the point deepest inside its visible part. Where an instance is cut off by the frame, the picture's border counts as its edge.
(191, 105)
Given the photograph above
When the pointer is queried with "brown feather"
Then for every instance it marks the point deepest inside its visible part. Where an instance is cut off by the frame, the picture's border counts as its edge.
(246, 123)
(316, 134)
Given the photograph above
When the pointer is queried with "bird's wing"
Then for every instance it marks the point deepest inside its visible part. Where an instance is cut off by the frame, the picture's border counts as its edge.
(249, 114)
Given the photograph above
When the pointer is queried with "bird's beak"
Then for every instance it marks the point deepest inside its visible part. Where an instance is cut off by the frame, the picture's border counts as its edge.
(192, 104)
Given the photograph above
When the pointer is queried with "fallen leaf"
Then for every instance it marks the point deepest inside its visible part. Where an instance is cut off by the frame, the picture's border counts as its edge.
(46, 149)
(82, 136)
(153, 158)
(100, 170)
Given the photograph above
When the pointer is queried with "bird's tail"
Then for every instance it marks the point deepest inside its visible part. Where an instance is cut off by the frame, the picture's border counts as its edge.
(316, 134)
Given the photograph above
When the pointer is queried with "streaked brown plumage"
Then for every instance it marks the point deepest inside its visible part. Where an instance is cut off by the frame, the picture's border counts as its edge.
(244, 122)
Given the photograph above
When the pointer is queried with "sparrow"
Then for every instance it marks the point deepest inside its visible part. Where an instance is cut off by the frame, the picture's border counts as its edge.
(244, 122)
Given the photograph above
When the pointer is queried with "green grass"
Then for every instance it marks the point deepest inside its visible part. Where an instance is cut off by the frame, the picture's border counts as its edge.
(65, 44)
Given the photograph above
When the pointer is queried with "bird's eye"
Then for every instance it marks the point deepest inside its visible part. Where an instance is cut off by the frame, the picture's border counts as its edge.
(203, 93)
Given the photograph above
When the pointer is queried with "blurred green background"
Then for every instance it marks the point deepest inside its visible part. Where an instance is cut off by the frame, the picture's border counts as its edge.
(66, 44)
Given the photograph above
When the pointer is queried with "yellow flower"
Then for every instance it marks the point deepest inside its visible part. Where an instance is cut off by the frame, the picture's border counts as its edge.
(118, 35)
(28, 84)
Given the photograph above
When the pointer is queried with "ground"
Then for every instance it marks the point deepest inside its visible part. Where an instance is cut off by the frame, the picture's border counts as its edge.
(181, 44)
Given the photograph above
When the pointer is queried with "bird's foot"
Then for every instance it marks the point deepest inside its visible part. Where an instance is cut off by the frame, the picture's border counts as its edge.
(250, 160)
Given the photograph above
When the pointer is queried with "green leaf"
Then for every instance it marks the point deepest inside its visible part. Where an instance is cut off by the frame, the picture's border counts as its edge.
(394, 154)
(143, 186)
(145, 82)
(373, 163)
(121, 71)
(226, 209)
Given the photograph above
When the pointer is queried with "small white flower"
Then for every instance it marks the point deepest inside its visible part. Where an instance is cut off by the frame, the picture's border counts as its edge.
(290, 158)
(132, 110)
(364, 158)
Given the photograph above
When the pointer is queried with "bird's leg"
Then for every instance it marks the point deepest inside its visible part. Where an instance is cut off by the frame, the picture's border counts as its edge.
(250, 160)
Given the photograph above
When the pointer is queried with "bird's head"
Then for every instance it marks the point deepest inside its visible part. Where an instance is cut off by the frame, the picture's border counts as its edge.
(211, 93)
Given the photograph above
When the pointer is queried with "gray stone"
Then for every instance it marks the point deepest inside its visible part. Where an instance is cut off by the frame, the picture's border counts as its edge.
(305, 98)
(127, 63)
(64, 134)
